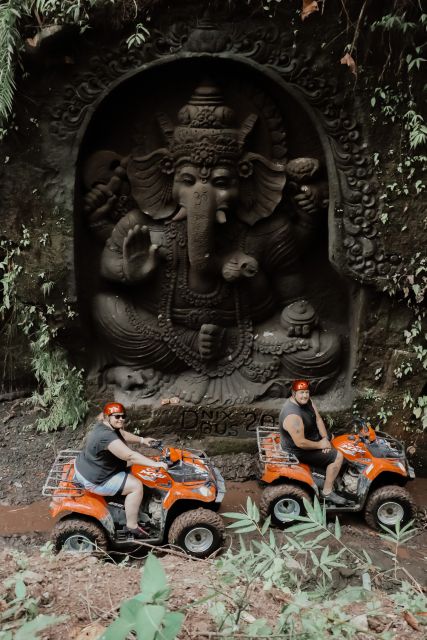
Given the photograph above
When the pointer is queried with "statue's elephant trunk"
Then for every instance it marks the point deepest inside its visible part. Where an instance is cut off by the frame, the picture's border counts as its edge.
(201, 215)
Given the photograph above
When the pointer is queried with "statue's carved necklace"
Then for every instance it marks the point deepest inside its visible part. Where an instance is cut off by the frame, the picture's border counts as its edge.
(177, 245)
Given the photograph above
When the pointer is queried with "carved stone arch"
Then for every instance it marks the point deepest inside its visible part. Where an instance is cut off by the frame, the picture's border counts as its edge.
(355, 247)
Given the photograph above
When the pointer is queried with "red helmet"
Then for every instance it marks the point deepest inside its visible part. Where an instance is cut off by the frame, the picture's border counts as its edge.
(300, 385)
(113, 407)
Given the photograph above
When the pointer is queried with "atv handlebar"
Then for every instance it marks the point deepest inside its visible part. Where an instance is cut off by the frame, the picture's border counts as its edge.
(158, 444)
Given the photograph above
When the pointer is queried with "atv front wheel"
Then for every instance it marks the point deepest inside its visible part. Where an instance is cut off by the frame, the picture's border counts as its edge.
(79, 536)
(199, 532)
(387, 506)
(283, 503)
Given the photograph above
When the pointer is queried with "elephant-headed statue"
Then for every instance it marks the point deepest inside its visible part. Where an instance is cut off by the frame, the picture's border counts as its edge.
(201, 292)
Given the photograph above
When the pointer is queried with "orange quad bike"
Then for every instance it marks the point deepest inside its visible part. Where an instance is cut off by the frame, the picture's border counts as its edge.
(372, 478)
(178, 507)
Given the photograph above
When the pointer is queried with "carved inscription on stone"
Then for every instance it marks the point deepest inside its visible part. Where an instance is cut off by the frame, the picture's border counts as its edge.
(224, 422)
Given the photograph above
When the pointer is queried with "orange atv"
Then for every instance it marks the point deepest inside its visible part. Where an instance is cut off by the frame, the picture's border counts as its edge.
(178, 507)
(372, 477)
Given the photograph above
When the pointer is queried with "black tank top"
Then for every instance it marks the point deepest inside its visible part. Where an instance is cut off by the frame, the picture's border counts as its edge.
(308, 417)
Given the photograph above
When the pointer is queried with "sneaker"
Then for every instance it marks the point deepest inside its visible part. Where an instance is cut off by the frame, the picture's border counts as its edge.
(135, 534)
(333, 497)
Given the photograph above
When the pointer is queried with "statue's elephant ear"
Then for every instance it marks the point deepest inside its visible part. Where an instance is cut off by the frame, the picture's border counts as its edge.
(151, 179)
(261, 187)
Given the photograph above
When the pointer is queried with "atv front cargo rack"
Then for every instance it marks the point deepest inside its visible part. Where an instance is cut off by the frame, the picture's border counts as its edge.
(270, 451)
(59, 482)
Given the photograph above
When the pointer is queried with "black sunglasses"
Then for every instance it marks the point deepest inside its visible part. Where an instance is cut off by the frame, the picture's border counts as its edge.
(117, 416)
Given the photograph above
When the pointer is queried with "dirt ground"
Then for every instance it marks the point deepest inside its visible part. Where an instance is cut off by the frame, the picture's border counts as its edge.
(88, 590)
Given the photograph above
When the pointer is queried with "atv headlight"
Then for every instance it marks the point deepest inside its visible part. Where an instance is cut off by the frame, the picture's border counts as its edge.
(204, 490)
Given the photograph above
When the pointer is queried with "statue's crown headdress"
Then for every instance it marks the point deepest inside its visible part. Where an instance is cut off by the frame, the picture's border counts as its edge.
(207, 133)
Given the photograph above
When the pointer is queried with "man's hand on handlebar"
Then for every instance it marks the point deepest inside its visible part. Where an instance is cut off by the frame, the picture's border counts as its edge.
(153, 442)
(162, 465)
(326, 445)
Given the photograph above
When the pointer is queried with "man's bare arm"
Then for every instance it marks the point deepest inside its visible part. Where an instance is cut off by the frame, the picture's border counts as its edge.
(295, 427)
(319, 422)
(120, 450)
(134, 439)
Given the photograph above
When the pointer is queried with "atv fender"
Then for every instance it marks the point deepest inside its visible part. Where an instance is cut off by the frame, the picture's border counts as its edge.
(300, 473)
(373, 470)
(89, 504)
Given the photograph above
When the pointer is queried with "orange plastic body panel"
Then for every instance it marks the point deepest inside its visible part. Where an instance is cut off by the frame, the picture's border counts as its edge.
(89, 504)
(160, 479)
(356, 450)
(299, 472)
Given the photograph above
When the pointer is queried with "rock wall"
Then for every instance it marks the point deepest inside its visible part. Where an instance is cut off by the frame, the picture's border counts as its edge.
(90, 92)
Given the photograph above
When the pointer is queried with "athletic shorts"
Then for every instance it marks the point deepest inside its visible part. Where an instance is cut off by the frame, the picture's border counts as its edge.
(111, 487)
(316, 457)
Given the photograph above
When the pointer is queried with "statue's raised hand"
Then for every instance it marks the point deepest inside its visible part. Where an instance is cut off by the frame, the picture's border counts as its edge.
(140, 257)
(311, 199)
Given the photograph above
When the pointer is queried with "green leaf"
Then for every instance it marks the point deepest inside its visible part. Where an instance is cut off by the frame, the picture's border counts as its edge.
(366, 581)
(20, 589)
(325, 555)
(326, 571)
(367, 556)
(236, 516)
(266, 525)
(258, 629)
(172, 623)
(29, 630)
(321, 536)
(337, 528)
(119, 630)
(240, 523)
(148, 621)
(304, 529)
(153, 580)
(248, 529)
(129, 609)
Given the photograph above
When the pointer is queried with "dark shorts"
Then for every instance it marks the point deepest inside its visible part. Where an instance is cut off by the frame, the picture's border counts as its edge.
(316, 458)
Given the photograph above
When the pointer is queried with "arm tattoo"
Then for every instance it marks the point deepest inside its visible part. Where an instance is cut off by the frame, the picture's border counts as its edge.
(295, 426)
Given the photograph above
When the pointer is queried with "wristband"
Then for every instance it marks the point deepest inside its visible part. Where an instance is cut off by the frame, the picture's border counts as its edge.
(141, 440)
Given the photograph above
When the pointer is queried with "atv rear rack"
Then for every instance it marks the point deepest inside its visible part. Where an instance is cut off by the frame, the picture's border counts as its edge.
(269, 448)
(59, 482)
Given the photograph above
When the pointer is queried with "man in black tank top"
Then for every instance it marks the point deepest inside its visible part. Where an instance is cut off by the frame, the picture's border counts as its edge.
(303, 432)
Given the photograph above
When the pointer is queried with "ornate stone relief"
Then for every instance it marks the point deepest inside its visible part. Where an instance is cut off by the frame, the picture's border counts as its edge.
(201, 292)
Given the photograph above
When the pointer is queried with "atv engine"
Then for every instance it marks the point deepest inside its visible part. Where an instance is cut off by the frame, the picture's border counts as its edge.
(150, 513)
(350, 480)
(154, 508)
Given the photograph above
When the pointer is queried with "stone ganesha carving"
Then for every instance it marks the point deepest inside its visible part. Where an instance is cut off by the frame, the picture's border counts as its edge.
(202, 291)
